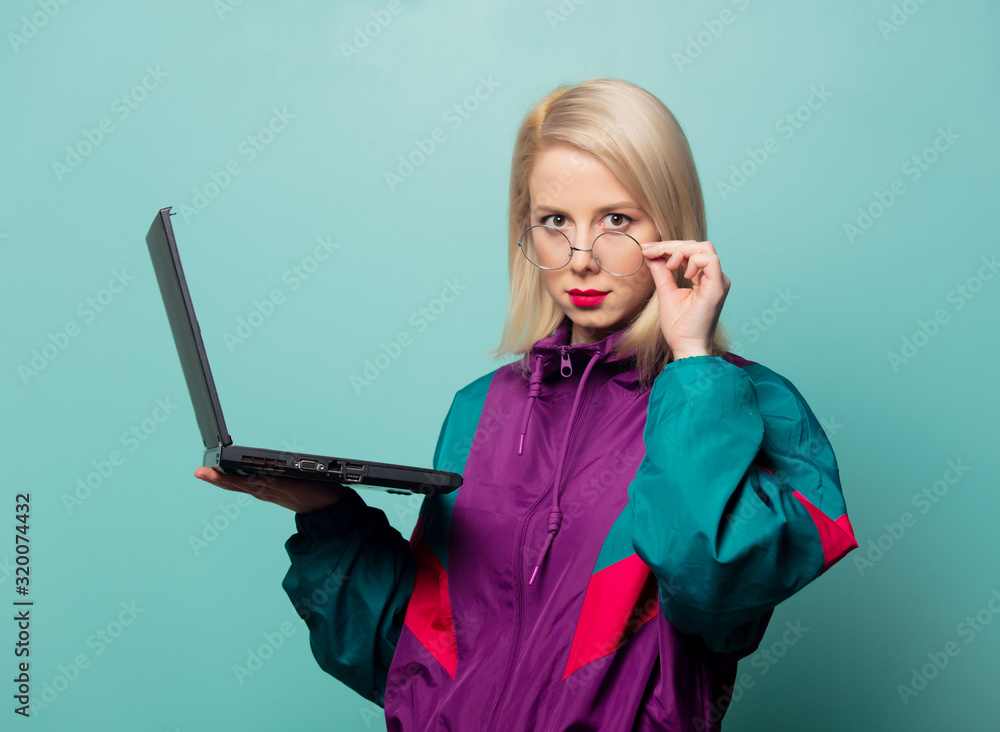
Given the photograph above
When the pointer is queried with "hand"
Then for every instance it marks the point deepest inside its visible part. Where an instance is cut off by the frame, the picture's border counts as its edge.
(301, 496)
(688, 315)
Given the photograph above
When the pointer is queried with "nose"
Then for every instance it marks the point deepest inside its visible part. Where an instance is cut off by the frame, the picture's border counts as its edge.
(582, 259)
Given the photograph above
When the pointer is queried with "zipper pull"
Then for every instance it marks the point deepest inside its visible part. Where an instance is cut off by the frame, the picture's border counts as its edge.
(565, 365)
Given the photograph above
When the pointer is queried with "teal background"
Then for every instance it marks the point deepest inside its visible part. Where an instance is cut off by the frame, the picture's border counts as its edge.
(201, 610)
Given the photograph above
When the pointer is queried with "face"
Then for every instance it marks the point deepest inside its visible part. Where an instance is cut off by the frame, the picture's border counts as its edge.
(576, 193)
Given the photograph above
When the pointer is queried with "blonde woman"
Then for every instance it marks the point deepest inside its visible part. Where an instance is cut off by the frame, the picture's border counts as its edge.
(636, 498)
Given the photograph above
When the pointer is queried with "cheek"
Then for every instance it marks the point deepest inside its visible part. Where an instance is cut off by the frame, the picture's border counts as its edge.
(641, 289)
(550, 280)
(642, 285)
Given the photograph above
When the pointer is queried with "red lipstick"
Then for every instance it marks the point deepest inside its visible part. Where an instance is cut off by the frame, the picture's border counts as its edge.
(587, 298)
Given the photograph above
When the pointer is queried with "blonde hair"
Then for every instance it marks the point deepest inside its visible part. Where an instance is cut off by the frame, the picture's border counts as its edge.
(639, 140)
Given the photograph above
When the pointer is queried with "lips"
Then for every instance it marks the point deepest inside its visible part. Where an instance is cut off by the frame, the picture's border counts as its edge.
(587, 298)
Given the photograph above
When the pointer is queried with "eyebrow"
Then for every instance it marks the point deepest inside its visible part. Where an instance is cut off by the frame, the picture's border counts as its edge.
(602, 209)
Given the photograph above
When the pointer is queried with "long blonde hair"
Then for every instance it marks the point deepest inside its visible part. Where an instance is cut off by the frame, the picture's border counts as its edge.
(639, 140)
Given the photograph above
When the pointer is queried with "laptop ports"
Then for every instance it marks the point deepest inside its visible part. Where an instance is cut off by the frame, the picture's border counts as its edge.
(353, 472)
(310, 466)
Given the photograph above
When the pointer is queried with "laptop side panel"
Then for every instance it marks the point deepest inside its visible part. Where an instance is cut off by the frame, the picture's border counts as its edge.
(186, 331)
(390, 478)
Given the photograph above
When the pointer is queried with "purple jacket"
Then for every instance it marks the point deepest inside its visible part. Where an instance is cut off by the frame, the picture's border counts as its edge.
(612, 552)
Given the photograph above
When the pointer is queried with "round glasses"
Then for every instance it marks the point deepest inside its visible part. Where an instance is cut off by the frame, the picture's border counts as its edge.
(615, 252)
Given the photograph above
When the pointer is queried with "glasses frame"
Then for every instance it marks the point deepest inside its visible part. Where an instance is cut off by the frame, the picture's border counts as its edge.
(578, 249)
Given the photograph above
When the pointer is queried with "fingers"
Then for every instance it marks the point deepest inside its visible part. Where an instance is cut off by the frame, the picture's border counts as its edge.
(662, 278)
(239, 483)
(698, 258)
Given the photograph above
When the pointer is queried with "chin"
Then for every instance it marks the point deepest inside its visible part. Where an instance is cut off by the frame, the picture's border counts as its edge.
(594, 322)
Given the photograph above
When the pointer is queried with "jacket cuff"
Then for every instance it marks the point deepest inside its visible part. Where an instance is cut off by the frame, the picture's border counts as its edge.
(338, 518)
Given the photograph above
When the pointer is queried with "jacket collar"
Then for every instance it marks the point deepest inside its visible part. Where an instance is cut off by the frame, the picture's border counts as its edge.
(553, 347)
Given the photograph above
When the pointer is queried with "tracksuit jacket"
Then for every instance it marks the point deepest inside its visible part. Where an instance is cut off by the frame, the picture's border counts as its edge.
(612, 552)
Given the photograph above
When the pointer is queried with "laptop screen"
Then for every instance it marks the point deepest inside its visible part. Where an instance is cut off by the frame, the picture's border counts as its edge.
(187, 333)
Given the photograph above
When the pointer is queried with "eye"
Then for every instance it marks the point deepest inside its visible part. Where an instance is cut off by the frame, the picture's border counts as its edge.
(619, 220)
(554, 217)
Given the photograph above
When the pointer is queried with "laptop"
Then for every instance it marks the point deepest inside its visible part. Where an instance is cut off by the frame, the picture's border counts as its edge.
(220, 452)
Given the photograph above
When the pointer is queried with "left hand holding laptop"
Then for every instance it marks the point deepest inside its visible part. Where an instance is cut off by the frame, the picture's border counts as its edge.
(297, 495)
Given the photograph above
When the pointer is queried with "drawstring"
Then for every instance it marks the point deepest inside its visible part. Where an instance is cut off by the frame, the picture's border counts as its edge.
(555, 516)
(534, 389)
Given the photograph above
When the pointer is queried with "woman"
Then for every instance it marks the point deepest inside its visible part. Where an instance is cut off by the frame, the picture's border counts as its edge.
(636, 499)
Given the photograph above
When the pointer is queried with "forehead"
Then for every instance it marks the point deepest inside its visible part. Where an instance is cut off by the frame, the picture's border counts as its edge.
(567, 178)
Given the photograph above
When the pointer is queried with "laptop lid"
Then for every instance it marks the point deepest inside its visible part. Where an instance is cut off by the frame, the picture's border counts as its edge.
(186, 331)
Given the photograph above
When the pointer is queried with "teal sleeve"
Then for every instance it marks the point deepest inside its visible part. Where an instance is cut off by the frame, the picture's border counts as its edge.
(351, 578)
(735, 504)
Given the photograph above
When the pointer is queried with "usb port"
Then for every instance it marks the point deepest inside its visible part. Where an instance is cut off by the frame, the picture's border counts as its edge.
(354, 466)
(352, 478)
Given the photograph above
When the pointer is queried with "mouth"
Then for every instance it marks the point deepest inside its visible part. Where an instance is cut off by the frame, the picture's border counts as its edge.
(587, 298)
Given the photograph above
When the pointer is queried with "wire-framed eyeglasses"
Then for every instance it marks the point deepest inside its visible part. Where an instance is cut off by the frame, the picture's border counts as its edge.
(547, 247)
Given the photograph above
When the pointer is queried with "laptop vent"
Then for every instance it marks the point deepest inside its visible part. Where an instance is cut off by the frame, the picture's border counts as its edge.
(266, 463)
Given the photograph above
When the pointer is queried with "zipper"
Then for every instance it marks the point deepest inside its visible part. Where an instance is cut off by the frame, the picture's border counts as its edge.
(565, 365)
(519, 594)
(519, 558)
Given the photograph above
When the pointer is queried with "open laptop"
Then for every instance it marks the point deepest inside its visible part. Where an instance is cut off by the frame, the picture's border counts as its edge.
(220, 452)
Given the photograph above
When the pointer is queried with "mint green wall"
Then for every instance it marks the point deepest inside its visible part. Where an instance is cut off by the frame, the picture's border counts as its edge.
(823, 304)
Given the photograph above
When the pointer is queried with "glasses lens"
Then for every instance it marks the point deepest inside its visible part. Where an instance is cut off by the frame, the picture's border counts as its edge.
(618, 253)
(545, 246)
